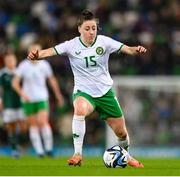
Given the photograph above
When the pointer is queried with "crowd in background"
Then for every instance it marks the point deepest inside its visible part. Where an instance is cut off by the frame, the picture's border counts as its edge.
(152, 115)
(152, 23)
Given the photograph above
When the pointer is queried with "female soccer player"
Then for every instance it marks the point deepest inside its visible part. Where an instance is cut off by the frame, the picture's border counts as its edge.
(13, 114)
(34, 93)
(89, 55)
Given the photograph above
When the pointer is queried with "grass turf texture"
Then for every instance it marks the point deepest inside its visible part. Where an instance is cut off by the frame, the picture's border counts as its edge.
(32, 166)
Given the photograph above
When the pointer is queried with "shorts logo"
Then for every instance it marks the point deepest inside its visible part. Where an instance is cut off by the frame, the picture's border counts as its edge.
(99, 50)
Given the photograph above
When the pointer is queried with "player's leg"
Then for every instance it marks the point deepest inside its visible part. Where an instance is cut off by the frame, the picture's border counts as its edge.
(82, 108)
(12, 138)
(34, 135)
(23, 133)
(119, 128)
(110, 110)
(10, 126)
(23, 126)
(46, 131)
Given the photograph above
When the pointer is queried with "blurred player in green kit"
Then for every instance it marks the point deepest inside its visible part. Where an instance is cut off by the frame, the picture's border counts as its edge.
(13, 116)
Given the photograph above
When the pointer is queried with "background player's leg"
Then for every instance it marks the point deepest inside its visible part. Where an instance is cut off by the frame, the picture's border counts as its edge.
(46, 131)
(23, 133)
(35, 136)
(12, 138)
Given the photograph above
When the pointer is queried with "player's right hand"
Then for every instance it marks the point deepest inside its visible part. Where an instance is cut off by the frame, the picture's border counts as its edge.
(25, 97)
(33, 55)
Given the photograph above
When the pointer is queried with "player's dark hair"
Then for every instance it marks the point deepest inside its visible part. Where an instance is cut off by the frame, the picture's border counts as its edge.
(86, 15)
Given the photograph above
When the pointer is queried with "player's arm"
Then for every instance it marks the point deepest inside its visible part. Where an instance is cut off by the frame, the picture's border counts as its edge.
(55, 87)
(17, 87)
(1, 104)
(1, 94)
(135, 50)
(39, 54)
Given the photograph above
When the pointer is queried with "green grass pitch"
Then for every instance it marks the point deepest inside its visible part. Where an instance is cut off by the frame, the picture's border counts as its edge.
(32, 166)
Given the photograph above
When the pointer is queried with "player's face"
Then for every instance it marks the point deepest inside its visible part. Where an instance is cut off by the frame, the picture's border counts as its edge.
(88, 31)
(10, 61)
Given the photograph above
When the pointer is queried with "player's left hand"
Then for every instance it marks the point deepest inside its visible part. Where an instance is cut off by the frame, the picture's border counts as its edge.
(141, 49)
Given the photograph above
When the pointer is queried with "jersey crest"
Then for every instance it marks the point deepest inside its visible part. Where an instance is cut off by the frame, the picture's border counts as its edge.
(99, 50)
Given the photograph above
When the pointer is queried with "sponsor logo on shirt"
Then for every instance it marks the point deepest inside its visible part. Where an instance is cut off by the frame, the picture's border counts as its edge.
(78, 52)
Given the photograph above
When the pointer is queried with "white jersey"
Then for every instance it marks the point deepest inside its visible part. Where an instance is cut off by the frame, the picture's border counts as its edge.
(34, 77)
(90, 64)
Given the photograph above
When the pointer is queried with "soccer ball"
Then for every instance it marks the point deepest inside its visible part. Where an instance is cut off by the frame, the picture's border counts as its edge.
(115, 157)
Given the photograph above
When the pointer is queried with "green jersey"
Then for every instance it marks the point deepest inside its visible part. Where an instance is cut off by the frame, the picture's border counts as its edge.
(9, 96)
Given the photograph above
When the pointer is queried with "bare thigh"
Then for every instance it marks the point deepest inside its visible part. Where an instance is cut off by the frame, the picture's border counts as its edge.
(82, 106)
(32, 121)
(23, 125)
(42, 117)
(11, 127)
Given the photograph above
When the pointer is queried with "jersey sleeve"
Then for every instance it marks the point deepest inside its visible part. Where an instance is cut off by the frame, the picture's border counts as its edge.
(62, 48)
(112, 45)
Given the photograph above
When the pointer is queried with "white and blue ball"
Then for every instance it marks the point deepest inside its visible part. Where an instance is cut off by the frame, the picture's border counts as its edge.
(116, 157)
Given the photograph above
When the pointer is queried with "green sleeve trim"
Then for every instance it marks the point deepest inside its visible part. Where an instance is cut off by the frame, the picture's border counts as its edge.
(56, 50)
(120, 48)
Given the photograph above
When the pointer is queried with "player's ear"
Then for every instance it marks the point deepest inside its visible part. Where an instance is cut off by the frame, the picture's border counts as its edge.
(79, 29)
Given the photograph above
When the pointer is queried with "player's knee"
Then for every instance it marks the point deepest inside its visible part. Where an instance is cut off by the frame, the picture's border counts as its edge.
(80, 112)
(24, 129)
(42, 122)
(121, 134)
(23, 126)
(32, 123)
(81, 109)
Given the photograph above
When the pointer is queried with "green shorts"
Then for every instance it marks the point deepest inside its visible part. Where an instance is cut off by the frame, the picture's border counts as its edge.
(35, 107)
(107, 105)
